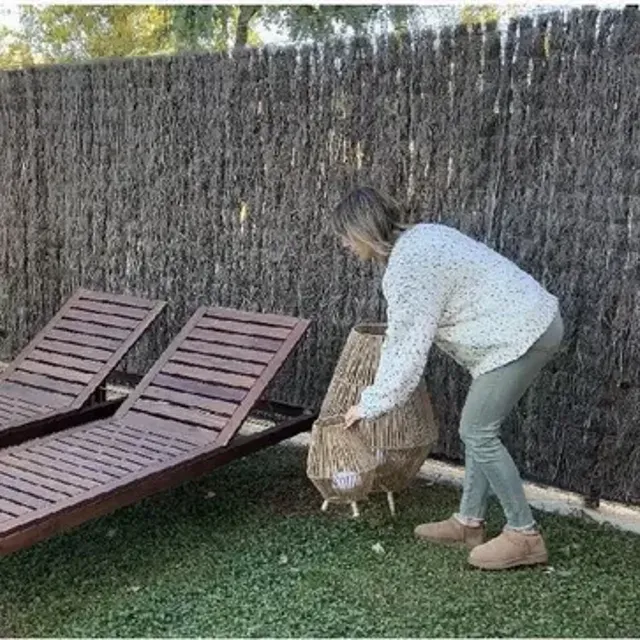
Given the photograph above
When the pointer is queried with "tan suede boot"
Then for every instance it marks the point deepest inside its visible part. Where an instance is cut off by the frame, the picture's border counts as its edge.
(510, 549)
(451, 532)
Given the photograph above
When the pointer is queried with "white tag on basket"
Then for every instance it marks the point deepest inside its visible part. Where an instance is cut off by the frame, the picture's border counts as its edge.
(345, 480)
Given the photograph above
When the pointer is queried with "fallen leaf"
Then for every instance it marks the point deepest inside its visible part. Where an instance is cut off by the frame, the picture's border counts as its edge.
(377, 548)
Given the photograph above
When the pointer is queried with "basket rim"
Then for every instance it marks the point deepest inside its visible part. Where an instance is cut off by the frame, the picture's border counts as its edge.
(330, 421)
(370, 329)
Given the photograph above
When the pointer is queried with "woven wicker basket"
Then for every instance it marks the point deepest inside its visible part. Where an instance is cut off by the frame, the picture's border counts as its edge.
(339, 464)
(400, 440)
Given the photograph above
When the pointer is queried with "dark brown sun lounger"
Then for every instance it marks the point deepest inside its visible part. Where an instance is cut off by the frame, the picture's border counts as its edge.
(65, 366)
(181, 421)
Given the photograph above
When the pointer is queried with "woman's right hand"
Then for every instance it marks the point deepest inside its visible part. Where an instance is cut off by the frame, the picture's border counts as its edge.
(352, 416)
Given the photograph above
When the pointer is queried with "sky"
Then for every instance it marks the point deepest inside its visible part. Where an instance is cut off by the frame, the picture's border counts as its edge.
(8, 16)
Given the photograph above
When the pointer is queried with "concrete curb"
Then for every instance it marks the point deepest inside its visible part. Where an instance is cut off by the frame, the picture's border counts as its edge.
(547, 499)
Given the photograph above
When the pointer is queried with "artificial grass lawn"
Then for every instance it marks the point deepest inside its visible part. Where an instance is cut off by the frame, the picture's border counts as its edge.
(246, 552)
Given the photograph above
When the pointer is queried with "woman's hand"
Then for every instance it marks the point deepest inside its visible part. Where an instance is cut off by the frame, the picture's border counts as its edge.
(352, 416)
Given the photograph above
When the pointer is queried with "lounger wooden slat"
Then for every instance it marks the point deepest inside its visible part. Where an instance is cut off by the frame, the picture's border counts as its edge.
(11, 406)
(13, 480)
(36, 381)
(119, 448)
(49, 400)
(70, 363)
(47, 481)
(22, 498)
(208, 390)
(267, 319)
(218, 364)
(110, 309)
(156, 439)
(219, 403)
(45, 459)
(61, 373)
(82, 339)
(88, 354)
(233, 353)
(209, 375)
(61, 369)
(189, 415)
(122, 300)
(12, 509)
(236, 340)
(245, 328)
(129, 440)
(80, 460)
(92, 329)
(24, 461)
(11, 414)
(12, 401)
(180, 435)
(102, 319)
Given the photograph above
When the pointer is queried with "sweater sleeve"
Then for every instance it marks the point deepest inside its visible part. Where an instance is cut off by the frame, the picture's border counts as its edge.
(415, 298)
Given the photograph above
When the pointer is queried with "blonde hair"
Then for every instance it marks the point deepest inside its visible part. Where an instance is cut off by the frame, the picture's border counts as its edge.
(371, 218)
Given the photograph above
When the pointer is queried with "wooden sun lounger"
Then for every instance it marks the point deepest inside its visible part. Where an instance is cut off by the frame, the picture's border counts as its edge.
(64, 368)
(180, 422)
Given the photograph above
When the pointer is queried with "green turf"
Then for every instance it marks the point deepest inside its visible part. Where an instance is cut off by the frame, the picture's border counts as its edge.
(246, 552)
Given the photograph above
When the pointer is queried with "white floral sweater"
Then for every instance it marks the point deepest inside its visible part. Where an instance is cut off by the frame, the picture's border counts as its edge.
(445, 288)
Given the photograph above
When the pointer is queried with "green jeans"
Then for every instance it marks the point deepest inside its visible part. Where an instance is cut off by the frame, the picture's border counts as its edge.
(488, 465)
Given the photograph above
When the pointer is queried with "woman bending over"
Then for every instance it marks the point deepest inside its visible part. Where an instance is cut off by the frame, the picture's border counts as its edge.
(491, 317)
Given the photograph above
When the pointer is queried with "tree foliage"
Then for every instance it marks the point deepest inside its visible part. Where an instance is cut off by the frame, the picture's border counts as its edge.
(68, 33)
(302, 22)
(481, 14)
(14, 53)
(65, 33)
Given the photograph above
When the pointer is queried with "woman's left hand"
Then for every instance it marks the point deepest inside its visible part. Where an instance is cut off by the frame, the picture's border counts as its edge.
(352, 416)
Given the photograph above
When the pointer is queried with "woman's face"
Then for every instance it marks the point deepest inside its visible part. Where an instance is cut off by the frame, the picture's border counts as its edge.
(363, 251)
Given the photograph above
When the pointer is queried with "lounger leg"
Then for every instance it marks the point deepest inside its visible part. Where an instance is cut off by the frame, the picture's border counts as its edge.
(354, 509)
(99, 396)
(325, 505)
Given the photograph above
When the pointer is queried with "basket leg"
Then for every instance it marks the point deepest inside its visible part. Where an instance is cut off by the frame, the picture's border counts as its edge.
(354, 509)
(325, 505)
(392, 503)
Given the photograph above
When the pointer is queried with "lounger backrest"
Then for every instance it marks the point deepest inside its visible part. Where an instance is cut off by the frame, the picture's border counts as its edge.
(76, 351)
(214, 372)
